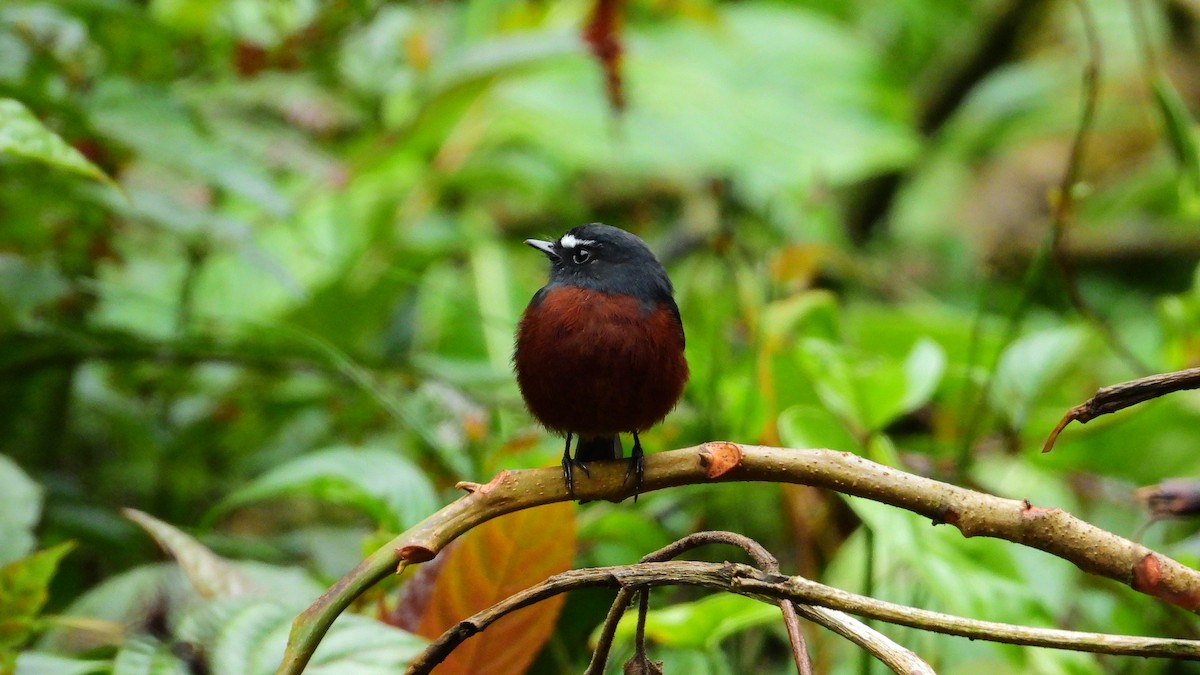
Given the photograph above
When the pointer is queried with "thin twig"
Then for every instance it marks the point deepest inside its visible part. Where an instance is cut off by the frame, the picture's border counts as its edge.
(639, 648)
(1062, 215)
(1116, 397)
(898, 658)
(761, 557)
(608, 633)
(1063, 210)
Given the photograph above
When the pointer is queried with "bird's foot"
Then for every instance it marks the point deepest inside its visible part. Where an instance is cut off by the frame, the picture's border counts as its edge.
(568, 467)
(637, 467)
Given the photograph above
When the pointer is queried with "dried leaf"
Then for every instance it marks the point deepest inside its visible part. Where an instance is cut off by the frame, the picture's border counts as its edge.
(210, 575)
(490, 563)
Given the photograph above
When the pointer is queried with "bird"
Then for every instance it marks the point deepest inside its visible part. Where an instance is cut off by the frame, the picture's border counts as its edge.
(600, 348)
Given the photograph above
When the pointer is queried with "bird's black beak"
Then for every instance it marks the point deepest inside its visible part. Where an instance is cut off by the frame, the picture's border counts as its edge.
(546, 247)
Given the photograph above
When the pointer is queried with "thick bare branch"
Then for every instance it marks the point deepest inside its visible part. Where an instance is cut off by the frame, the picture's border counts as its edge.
(975, 514)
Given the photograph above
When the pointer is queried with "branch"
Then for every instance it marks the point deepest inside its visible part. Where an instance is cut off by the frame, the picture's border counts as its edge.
(1063, 208)
(893, 655)
(975, 514)
(1116, 397)
(751, 582)
(899, 659)
(761, 557)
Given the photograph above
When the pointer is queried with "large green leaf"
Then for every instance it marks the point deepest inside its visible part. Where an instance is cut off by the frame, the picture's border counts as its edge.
(359, 644)
(20, 508)
(811, 104)
(123, 603)
(871, 391)
(23, 135)
(158, 128)
(248, 635)
(811, 426)
(382, 483)
(1030, 366)
(248, 639)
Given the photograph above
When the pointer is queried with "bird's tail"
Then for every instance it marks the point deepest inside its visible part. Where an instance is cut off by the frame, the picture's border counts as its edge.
(599, 447)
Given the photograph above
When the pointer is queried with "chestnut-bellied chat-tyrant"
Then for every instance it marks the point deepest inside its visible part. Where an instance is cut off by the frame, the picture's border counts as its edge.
(600, 347)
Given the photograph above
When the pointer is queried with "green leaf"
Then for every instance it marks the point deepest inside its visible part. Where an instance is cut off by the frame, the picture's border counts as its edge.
(829, 369)
(923, 370)
(501, 55)
(912, 562)
(23, 135)
(42, 663)
(1179, 130)
(158, 128)
(812, 313)
(871, 391)
(359, 644)
(381, 483)
(20, 508)
(27, 285)
(691, 661)
(619, 535)
(811, 426)
(23, 585)
(248, 641)
(123, 600)
(145, 656)
(1029, 366)
(248, 635)
(679, 125)
(209, 574)
(702, 624)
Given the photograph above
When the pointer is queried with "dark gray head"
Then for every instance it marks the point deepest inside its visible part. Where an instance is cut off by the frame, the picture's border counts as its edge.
(604, 258)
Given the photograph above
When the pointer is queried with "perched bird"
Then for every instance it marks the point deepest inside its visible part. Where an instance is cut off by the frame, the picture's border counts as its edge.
(600, 347)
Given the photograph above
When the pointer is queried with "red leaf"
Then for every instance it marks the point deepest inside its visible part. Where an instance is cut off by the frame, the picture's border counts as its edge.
(488, 564)
(602, 34)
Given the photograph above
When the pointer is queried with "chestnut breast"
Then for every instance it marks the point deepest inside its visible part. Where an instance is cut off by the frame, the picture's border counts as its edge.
(595, 363)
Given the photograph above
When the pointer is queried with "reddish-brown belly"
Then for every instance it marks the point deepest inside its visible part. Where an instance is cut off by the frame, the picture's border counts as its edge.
(592, 363)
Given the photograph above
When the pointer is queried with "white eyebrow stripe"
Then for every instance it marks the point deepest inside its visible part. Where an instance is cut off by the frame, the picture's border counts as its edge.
(571, 241)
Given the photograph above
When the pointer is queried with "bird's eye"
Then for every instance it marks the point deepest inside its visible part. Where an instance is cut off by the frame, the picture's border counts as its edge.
(581, 256)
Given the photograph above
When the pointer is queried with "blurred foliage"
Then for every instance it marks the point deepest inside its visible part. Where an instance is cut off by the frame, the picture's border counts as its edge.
(260, 264)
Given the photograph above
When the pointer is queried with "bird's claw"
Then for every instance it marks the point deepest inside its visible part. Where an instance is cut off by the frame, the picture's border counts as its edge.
(568, 465)
(637, 468)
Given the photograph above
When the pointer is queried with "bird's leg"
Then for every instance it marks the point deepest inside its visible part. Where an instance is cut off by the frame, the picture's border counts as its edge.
(637, 466)
(568, 465)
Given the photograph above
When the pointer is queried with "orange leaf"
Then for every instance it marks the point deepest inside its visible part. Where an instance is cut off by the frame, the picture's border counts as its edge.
(490, 563)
